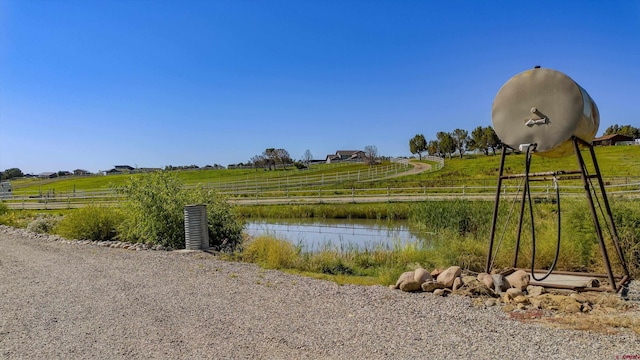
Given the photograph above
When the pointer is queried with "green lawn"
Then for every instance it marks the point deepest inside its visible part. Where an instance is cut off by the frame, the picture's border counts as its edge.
(614, 161)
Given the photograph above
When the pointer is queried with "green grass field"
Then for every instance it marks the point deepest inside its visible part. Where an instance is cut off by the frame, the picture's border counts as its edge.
(463, 238)
(615, 162)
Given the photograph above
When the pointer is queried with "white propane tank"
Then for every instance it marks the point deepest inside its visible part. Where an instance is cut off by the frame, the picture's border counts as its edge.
(544, 107)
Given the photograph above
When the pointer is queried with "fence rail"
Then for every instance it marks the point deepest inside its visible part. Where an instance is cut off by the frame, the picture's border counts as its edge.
(282, 195)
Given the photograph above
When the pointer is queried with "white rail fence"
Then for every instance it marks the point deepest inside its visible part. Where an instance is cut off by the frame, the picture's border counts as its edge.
(269, 194)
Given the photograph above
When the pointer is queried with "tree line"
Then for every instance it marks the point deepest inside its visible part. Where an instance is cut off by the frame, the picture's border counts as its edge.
(447, 143)
(482, 139)
(626, 130)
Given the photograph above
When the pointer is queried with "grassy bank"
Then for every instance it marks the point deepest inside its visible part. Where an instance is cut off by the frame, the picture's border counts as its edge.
(463, 229)
(376, 211)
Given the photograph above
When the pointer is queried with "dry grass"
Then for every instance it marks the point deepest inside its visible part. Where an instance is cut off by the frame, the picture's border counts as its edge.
(609, 314)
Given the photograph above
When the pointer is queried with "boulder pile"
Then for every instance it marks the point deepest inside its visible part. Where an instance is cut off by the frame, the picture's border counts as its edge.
(512, 292)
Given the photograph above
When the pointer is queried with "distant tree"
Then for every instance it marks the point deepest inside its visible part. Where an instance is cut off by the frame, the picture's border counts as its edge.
(626, 130)
(371, 153)
(446, 144)
(417, 145)
(270, 157)
(433, 148)
(478, 140)
(493, 141)
(259, 161)
(283, 157)
(307, 157)
(12, 173)
(460, 139)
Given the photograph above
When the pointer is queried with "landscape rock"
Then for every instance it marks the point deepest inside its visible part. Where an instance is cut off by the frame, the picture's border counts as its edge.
(410, 286)
(579, 298)
(500, 284)
(486, 279)
(535, 290)
(469, 280)
(448, 276)
(431, 286)
(521, 299)
(439, 292)
(457, 283)
(513, 292)
(421, 276)
(519, 279)
(435, 273)
(406, 276)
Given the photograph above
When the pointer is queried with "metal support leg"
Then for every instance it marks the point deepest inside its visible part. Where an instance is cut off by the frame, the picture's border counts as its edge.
(594, 214)
(495, 211)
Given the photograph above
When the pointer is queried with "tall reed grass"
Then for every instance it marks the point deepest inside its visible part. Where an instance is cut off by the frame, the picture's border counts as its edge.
(462, 230)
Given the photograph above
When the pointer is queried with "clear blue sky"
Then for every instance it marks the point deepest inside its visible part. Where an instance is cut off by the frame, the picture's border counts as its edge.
(92, 84)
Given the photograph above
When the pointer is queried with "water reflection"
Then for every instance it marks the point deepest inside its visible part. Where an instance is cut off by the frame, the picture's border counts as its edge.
(339, 234)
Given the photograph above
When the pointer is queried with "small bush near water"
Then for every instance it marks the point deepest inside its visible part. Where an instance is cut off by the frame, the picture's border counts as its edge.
(154, 212)
(376, 211)
(43, 224)
(271, 253)
(90, 223)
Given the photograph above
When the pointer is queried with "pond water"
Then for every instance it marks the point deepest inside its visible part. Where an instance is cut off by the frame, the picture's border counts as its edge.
(339, 234)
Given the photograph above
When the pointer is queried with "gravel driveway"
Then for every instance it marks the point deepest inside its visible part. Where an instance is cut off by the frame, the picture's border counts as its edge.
(71, 301)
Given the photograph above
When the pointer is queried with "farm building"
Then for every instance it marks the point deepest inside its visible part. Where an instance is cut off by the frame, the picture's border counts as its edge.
(48, 175)
(126, 169)
(81, 172)
(346, 155)
(613, 139)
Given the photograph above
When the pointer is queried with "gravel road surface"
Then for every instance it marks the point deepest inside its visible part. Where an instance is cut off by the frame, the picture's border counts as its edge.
(72, 301)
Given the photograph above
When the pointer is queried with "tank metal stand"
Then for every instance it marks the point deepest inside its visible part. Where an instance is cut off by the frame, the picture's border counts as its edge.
(616, 282)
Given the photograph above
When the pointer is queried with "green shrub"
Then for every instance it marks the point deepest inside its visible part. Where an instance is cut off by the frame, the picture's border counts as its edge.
(90, 223)
(328, 262)
(270, 253)
(461, 216)
(6, 216)
(43, 224)
(154, 212)
(626, 216)
(225, 227)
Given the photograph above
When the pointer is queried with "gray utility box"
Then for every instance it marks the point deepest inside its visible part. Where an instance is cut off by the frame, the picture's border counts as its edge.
(195, 227)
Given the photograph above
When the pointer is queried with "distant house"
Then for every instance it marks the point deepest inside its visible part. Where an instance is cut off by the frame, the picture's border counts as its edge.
(613, 139)
(346, 155)
(48, 175)
(119, 169)
(126, 169)
(81, 172)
